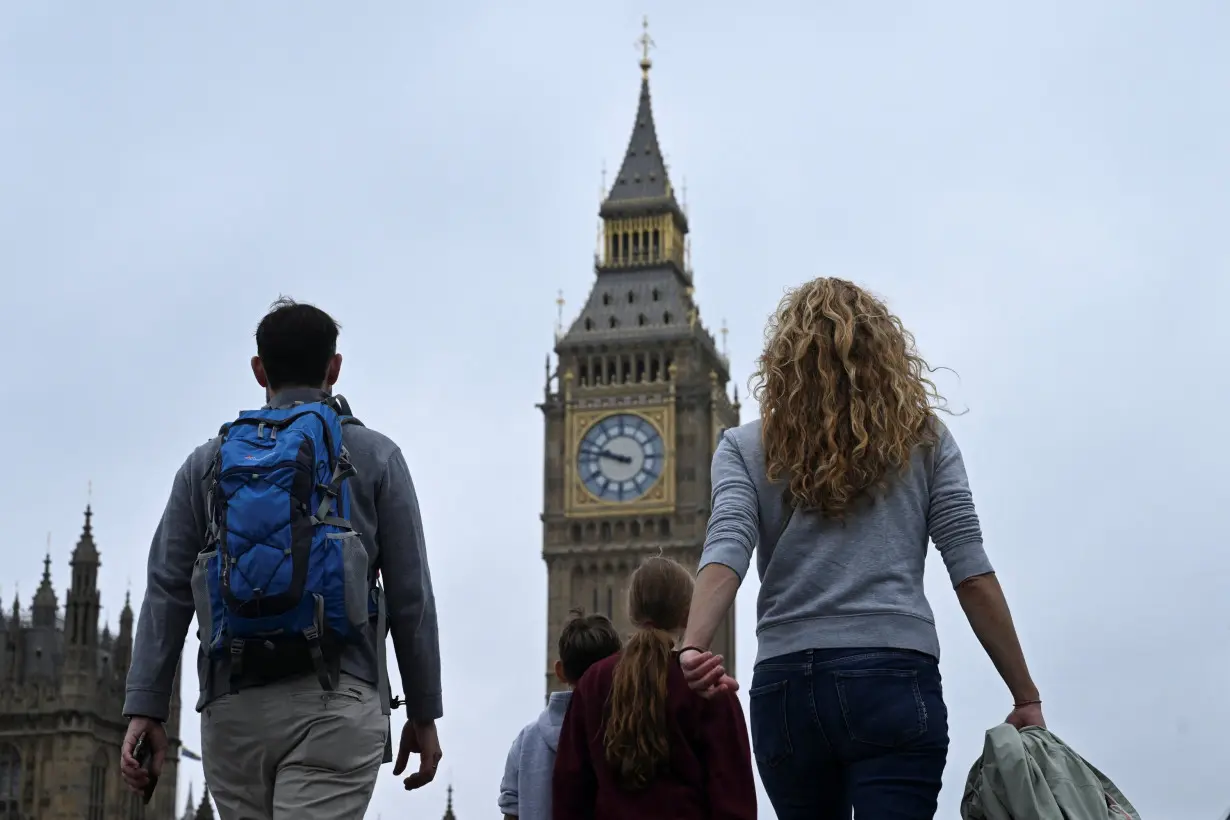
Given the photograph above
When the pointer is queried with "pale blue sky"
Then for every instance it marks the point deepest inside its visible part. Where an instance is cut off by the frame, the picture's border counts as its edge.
(1039, 191)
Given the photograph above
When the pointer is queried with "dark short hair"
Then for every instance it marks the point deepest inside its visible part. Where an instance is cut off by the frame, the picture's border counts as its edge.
(585, 640)
(295, 343)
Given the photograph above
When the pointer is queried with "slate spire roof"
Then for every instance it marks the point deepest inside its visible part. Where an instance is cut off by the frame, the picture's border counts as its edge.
(643, 174)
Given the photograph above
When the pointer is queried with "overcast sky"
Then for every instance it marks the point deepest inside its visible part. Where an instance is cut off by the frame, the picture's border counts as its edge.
(1040, 193)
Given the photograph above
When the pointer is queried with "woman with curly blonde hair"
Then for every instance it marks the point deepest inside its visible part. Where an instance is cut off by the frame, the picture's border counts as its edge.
(838, 488)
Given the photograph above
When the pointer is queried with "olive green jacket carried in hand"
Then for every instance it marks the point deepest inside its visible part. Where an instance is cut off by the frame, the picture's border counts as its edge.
(1033, 775)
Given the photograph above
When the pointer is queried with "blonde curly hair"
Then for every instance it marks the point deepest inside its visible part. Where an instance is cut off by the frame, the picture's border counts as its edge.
(844, 396)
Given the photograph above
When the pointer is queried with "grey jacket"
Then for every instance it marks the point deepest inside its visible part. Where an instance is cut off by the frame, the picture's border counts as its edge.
(385, 512)
(1033, 775)
(525, 791)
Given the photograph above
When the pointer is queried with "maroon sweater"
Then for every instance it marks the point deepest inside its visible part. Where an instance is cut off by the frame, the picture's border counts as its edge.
(709, 776)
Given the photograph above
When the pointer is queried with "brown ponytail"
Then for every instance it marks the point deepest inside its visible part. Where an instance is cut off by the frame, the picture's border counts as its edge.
(637, 746)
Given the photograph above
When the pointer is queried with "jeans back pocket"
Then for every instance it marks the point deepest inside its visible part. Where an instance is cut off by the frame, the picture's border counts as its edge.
(881, 707)
(770, 728)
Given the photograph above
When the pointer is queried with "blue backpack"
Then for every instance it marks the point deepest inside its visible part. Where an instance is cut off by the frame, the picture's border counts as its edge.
(283, 571)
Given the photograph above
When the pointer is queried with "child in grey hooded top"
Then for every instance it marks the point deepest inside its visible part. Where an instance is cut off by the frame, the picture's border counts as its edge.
(525, 791)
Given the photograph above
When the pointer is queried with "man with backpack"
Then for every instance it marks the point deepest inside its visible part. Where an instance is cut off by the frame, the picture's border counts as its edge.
(294, 537)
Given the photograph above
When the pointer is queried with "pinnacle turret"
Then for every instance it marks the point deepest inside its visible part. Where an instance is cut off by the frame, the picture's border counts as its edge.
(46, 606)
(82, 603)
(448, 808)
(205, 811)
(86, 549)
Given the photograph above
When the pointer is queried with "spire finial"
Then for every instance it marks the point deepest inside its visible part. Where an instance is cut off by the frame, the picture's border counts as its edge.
(559, 313)
(645, 42)
(448, 808)
(725, 332)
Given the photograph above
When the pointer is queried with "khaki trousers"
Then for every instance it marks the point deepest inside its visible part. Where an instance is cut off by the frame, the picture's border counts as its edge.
(292, 751)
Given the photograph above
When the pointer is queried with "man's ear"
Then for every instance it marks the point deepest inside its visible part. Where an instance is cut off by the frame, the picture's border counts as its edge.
(559, 672)
(258, 370)
(335, 370)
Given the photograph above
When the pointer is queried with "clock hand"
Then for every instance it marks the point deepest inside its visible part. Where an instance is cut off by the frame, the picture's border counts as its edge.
(610, 455)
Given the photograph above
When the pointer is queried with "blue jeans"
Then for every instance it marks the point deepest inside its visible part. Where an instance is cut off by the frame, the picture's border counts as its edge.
(836, 730)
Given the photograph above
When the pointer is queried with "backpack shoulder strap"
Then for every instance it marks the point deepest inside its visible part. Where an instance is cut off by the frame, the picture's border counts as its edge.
(342, 408)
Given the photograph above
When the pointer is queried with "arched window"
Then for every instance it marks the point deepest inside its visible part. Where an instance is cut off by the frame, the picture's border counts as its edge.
(10, 780)
(97, 803)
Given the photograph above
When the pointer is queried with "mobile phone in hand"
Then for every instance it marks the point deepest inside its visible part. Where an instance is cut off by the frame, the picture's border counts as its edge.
(143, 752)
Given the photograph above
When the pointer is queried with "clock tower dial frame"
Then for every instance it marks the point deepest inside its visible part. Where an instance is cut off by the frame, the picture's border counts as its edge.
(658, 497)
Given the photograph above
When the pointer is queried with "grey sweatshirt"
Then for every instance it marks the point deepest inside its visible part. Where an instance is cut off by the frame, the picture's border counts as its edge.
(385, 512)
(525, 791)
(826, 584)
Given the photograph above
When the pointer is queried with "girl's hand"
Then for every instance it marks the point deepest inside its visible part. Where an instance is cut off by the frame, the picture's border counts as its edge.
(705, 674)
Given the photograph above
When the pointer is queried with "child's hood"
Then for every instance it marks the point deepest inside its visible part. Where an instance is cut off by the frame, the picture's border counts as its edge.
(552, 718)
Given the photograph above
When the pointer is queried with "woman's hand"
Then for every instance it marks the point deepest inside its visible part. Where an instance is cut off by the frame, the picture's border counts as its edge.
(1027, 714)
(705, 674)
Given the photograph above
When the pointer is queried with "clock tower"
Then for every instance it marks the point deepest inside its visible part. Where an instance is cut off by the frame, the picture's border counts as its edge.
(634, 404)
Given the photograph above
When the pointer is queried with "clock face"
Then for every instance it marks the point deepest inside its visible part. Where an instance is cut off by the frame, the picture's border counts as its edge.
(620, 457)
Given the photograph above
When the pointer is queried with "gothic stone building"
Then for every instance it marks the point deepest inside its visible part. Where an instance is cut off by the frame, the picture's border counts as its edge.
(61, 701)
(635, 404)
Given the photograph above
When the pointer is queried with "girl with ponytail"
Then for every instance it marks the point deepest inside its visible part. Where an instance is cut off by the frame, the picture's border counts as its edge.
(636, 741)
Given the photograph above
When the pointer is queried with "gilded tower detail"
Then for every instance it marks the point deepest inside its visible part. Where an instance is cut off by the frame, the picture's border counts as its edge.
(61, 702)
(634, 403)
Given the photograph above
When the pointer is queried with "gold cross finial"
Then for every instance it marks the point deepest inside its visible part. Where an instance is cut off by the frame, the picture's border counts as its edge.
(645, 42)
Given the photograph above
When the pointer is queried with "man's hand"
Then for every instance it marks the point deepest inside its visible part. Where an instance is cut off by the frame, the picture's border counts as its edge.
(704, 673)
(135, 777)
(419, 738)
